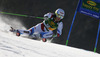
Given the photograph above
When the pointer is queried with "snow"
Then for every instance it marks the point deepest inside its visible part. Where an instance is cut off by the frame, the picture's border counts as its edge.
(13, 46)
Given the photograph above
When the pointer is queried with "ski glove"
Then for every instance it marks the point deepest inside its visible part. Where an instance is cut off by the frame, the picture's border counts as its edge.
(56, 35)
(46, 18)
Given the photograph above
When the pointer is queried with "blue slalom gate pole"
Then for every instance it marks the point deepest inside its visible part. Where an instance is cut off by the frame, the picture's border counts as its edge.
(97, 37)
(71, 27)
(72, 22)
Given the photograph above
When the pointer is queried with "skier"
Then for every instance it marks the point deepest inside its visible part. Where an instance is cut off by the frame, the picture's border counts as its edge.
(52, 21)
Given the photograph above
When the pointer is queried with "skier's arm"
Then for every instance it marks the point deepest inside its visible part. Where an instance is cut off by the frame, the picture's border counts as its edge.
(47, 16)
(59, 29)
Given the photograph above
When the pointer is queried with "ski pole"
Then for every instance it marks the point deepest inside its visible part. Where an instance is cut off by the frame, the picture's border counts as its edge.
(21, 15)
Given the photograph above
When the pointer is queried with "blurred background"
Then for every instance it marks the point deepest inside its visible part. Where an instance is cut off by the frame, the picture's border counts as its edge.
(84, 30)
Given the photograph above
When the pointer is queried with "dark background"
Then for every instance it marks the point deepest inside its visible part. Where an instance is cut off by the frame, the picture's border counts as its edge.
(84, 30)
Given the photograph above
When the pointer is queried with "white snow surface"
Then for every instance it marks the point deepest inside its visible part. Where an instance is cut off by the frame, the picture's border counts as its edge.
(13, 46)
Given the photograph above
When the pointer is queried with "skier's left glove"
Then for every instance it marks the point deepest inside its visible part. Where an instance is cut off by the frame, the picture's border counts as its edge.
(46, 18)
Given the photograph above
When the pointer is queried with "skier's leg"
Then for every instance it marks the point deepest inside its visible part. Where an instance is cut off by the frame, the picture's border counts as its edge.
(46, 34)
(30, 31)
(19, 32)
(35, 30)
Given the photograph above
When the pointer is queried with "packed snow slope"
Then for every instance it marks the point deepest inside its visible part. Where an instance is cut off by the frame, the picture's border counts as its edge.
(13, 46)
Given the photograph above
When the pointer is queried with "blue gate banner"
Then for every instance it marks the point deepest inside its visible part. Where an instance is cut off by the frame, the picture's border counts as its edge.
(90, 7)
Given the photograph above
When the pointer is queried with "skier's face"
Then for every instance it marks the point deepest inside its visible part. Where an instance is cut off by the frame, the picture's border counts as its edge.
(57, 19)
(60, 16)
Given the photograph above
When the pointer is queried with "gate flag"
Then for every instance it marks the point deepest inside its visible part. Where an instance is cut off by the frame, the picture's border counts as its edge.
(90, 7)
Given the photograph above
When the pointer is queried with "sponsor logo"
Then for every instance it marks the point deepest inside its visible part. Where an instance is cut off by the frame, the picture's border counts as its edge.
(91, 3)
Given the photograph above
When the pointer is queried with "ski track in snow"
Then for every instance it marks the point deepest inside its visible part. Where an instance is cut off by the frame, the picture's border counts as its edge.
(13, 46)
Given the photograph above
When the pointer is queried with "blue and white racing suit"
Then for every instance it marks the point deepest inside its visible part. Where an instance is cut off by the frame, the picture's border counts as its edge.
(42, 29)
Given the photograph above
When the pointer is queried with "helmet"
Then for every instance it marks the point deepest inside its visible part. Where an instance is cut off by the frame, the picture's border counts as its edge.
(60, 13)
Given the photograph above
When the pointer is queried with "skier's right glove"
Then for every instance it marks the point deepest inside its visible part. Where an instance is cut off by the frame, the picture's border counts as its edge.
(54, 36)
